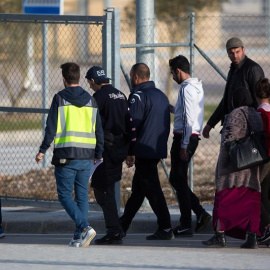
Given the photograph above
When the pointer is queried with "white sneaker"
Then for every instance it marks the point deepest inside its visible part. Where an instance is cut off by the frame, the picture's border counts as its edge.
(87, 236)
(2, 235)
(75, 242)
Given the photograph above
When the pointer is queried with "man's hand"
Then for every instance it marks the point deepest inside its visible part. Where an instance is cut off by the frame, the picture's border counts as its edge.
(39, 157)
(130, 160)
(97, 160)
(206, 131)
(184, 154)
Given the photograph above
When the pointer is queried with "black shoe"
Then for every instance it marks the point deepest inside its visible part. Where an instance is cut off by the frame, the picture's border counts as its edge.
(124, 225)
(180, 231)
(161, 235)
(202, 221)
(265, 237)
(110, 239)
(251, 241)
(218, 240)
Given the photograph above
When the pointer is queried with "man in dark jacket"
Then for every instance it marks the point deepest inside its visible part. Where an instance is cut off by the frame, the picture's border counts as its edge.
(243, 73)
(113, 108)
(150, 113)
(74, 124)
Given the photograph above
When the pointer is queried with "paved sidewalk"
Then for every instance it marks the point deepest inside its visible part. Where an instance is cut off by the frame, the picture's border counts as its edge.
(47, 220)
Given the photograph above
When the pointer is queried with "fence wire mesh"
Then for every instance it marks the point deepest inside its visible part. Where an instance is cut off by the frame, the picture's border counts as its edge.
(28, 50)
(211, 34)
(21, 73)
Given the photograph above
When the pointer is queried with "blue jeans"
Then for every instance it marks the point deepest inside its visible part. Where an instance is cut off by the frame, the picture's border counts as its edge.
(75, 175)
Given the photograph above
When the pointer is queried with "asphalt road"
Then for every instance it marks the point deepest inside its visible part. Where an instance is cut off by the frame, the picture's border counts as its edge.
(50, 251)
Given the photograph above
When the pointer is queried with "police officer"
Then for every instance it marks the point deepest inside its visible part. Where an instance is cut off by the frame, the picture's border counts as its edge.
(113, 108)
(75, 126)
(149, 110)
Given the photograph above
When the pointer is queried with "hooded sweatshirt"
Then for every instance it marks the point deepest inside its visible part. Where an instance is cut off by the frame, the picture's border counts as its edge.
(189, 109)
(78, 97)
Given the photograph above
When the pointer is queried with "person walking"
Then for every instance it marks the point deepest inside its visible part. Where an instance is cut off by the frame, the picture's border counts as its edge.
(243, 72)
(149, 110)
(188, 121)
(75, 126)
(263, 95)
(113, 108)
(237, 204)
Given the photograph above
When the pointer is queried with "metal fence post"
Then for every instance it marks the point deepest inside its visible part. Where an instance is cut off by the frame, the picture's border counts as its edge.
(107, 42)
(145, 34)
(192, 49)
(45, 61)
(111, 60)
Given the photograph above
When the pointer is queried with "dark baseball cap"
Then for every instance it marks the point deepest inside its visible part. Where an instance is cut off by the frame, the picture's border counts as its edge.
(234, 42)
(97, 74)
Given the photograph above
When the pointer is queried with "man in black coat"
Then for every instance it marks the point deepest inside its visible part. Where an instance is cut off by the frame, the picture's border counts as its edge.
(149, 110)
(113, 108)
(243, 73)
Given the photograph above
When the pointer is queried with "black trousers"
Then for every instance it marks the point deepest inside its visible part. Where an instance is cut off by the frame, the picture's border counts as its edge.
(179, 180)
(105, 197)
(146, 184)
(265, 197)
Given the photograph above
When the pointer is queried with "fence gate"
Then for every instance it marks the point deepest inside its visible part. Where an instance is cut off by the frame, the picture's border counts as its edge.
(32, 48)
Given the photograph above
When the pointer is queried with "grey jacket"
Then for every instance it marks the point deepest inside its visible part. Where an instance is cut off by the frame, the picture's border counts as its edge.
(235, 126)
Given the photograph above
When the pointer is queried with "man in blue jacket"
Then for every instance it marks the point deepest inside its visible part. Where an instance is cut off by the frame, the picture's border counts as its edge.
(75, 126)
(150, 113)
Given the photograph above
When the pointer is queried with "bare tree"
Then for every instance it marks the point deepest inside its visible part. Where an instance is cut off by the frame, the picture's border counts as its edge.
(13, 47)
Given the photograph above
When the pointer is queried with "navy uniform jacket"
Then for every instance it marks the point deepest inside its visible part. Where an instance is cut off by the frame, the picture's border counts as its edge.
(149, 110)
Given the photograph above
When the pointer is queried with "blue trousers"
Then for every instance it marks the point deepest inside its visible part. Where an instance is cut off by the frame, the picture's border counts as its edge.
(74, 176)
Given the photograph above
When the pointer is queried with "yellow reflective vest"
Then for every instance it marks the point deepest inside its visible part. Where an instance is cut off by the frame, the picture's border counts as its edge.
(76, 126)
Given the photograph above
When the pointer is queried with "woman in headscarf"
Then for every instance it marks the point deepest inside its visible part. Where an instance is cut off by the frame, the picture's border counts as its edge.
(237, 206)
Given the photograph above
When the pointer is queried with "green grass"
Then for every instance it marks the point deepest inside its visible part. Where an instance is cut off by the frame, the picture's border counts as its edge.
(24, 124)
(17, 123)
(208, 110)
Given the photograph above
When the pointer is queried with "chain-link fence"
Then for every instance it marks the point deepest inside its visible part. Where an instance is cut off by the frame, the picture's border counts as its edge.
(25, 72)
(31, 52)
(211, 34)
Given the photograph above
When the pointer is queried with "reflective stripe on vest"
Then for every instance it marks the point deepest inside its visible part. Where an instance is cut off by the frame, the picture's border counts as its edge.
(76, 126)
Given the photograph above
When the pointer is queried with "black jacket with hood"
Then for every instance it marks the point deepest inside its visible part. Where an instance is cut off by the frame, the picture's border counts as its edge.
(78, 97)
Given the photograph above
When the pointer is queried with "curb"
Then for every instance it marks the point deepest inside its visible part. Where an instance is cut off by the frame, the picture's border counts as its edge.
(39, 220)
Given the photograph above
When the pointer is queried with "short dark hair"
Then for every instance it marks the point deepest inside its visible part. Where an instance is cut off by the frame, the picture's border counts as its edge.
(71, 72)
(142, 70)
(262, 90)
(180, 62)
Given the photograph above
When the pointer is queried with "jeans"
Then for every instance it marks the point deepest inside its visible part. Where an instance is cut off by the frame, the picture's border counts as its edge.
(106, 199)
(74, 175)
(179, 180)
(146, 184)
